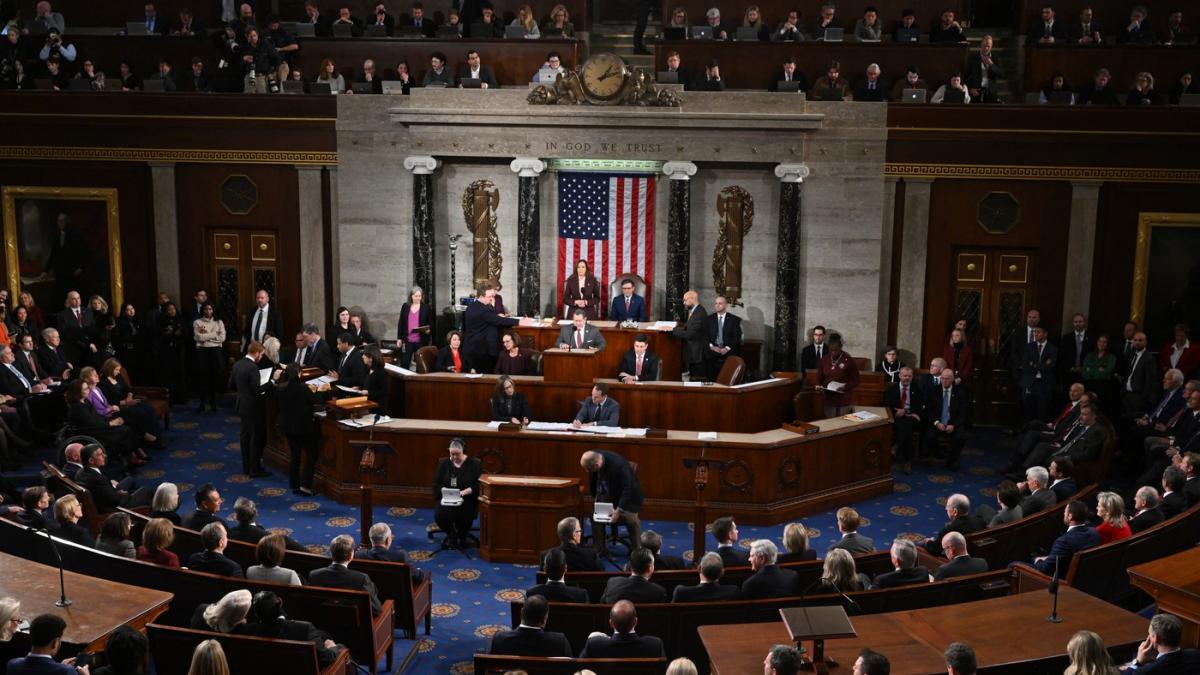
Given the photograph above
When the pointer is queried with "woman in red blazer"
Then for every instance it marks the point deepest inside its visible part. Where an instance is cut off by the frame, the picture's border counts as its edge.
(1189, 353)
(959, 357)
(582, 290)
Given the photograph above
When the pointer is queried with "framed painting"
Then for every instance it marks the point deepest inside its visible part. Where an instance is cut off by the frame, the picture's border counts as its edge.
(1166, 274)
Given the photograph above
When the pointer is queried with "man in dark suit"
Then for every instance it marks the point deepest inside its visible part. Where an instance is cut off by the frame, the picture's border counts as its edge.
(339, 575)
(268, 621)
(264, 320)
(45, 638)
(848, 521)
(245, 511)
(531, 638)
(624, 643)
(349, 370)
(1146, 511)
(612, 479)
(1174, 502)
(1047, 31)
(317, 352)
(1086, 31)
(675, 65)
(1140, 384)
(212, 559)
(983, 73)
(1077, 537)
(724, 530)
(961, 564)
(1083, 443)
(628, 305)
(555, 589)
(322, 24)
(710, 588)
(810, 356)
(946, 414)
(1020, 340)
(1160, 653)
(870, 88)
(416, 20)
(208, 503)
(1054, 431)
(1061, 483)
(382, 547)
(1036, 378)
(1154, 423)
(249, 407)
(13, 382)
(104, 490)
(51, 358)
(481, 334)
(907, 571)
(475, 70)
(345, 18)
(1073, 347)
(68, 256)
(958, 510)
(652, 541)
(907, 408)
(1191, 487)
(693, 335)
(576, 557)
(639, 364)
(25, 359)
(580, 334)
(636, 587)
(598, 409)
(788, 73)
(769, 580)
(724, 336)
(1037, 484)
(74, 324)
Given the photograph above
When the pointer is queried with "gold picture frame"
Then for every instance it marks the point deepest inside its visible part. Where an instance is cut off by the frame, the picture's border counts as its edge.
(9, 196)
(1147, 222)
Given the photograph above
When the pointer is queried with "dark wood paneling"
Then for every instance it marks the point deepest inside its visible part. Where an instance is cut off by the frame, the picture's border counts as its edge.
(1113, 15)
(848, 11)
(1079, 63)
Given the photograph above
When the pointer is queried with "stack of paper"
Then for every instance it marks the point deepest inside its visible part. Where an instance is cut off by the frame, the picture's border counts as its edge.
(397, 369)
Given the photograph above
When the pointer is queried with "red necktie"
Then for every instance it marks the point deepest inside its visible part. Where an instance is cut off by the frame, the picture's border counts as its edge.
(1063, 416)
(904, 397)
(638, 372)
(579, 339)
(627, 307)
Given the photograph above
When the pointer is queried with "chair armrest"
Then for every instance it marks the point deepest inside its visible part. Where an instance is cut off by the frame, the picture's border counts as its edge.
(341, 665)
(422, 597)
(381, 626)
(1026, 578)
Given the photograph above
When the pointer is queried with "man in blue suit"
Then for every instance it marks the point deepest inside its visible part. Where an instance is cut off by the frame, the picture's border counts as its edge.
(1077, 537)
(45, 636)
(1036, 376)
(481, 337)
(628, 305)
(598, 410)
(1159, 652)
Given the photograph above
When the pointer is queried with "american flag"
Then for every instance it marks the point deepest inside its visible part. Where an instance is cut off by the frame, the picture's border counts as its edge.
(607, 220)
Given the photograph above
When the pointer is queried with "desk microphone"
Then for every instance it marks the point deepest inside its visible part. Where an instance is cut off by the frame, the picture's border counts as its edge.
(1053, 589)
(371, 429)
(851, 604)
(63, 600)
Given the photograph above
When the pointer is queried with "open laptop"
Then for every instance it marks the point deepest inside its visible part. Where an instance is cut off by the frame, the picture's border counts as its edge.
(305, 30)
(136, 28)
(913, 96)
(908, 35)
(319, 88)
(152, 84)
(79, 84)
(833, 35)
(514, 32)
(451, 497)
(747, 34)
(1061, 98)
(293, 87)
(546, 75)
(954, 96)
(552, 32)
(448, 33)
(471, 83)
(702, 33)
(667, 77)
(603, 512)
(787, 85)
(377, 31)
(343, 30)
(826, 94)
(1190, 100)
(481, 30)
(363, 88)
(393, 87)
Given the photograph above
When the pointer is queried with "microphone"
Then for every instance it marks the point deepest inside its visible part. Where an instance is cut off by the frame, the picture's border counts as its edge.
(371, 429)
(1053, 589)
(63, 600)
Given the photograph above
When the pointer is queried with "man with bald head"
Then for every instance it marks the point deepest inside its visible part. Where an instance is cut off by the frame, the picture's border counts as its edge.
(624, 642)
(946, 416)
(695, 338)
(613, 480)
(954, 547)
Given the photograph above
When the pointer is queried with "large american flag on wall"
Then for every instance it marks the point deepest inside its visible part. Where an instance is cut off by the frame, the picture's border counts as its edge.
(607, 220)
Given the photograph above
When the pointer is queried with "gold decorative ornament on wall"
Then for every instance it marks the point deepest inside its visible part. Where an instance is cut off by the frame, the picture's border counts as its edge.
(479, 203)
(735, 213)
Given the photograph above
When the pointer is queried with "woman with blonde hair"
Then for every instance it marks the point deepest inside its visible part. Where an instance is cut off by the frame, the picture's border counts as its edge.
(560, 22)
(795, 543)
(1088, 655)
(209, 659)
(10, 616)
(1113, 525)
(525, 19)
(99, 334)
(840, 574)
(681, 666)
(68, 512)
(224, 615)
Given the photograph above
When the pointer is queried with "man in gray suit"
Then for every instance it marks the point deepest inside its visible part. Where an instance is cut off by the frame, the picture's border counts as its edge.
(581, 335)
(598, 410)
(1040, 497)
(851, 540)
(693, 334)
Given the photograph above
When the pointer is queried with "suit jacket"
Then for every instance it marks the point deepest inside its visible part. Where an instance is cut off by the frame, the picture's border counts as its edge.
(481, 334)
(863, 92)
(916, 402)
(915, 575)
(321, 355)
(624, 490)
(705, 592)
(1037, 30)
(651, 367)
(249, 390)
(855, 543)
(74, 533)
(103, 493)
(961, 567)
(771, 581)
(623, 646)
(38, 665)
(963, 524)
(22, 362)
(1173, 663)
(424, 318)
(808, 356)
(214, 563)
(1032, 365)
(74, 333)
(797, 76)
(668, 562)
(1143, 382)
(51, 360)
(637, 308)
(197, 519)
(732, 335)
(1018, 343)
(1146, 519)
(974, 73)
(590, 292)
(1191, 490)
(274, 323)
(351, 370)
(692, 332)
(1189, 360)
(581, 558)
(504, 410)
(1065, 547)
(1067, 351)
(485, 75)
(607, 414)
(1063, 489)
(523, 641)
(1041, 500)
(1173, 504)
(1174, 403)
(1076, 31)
(339, 576)
(591, 337)
(445, 360)
(289, 629)
(633, 588)
(11, 385)
(733, 557)
(557, 591)
(958, 407)
(296, 403)
(396, 555)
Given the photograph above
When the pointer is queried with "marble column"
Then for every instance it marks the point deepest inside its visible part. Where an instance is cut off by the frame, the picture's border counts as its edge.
(887, 244)
(166, 229)
(529, 225)
(679, 235)
(787, 267)
(422, 168)
(910, 310)
(1081, 249)
(312, 242)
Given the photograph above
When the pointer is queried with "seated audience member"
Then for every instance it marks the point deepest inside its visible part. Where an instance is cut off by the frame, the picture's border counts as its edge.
(1142, 92)
(681, 666)
(329, 75)
(1147, 511)
(1138, 30)
(157, 537)
(677, 21)
(639, 364)
(555, 589)
(1008, 496)
(454, 20)
(35, 504)
(636, 587)
(851, 541)
(126, 652)
(652, 541)
(1085, 31)
(682, 75)
(553, 63)
(212, 559)
(559, 23)
(870, 662)
(868, 28)
(1110, 509)
(266, 619)
(577, 558)
(769, 579)
(907, 409)
(1099, 91)
(628, 306)
(954, 547)
(382, 19)
(825, 21)
(1190, 463)
(461, 473)
(369, 76)
(1061, 483)
(508, 404)
(947, 30)
(782, 660)
(489, 24)
(452, 358)
(1083, 442)
(45, 641)
(795, 541)
(513, 358)
(789, 30)
(624, 642)
(57, 48)
(983, 76)
(1037, 495)
(958, 510)
(912, 80)
(954, 84)
(1161, 651)
(528, 22)
(404, 77)
(165, 75)
(438, 75)
(946, 411)
(105, 491)
(338, 575)
(870, 88)
(711, 79)
(46, 18)
(832, 79)
(1079, 536)
(208, 503)
(712, 19)
(788, 73)
(710, 588)
(724, 530)
(753, 19)
(226, 615)
(270, 552)
(248, 530)
(598, 410)
(1047, 31)
(345, 18)
(531, 637)
(1173, 501)
(188, 26)
(907, 571)
(890, 365)
(129, 79)
(68, 512)
(383, 547)
(1056, 85)
(197, 79)
(839, 573)
(1175, 31)
(906, 30)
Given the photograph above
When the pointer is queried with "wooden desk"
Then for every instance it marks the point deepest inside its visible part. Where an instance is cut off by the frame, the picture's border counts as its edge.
(914, 640)
(1174, 583)
(98, 606)
(619, 341)
(571, 365)
(518, 515)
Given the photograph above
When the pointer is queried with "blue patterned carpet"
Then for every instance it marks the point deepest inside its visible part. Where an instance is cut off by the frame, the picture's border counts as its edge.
(472, 596)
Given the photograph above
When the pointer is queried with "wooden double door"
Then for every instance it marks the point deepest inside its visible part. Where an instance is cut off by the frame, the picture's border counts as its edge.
(240, 262)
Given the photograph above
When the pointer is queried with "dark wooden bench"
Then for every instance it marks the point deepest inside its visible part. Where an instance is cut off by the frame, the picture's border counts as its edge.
(343, 613)
(393, 581)
(487, 664)
(172, 649)
(1019, 539)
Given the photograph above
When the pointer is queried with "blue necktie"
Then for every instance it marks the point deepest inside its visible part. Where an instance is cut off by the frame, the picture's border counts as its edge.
(945, 406)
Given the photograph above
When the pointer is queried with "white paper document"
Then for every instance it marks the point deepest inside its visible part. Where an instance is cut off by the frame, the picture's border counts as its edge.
(549, 426)
(565, 322)
(861, 416)
(836, 386)
(690, 383)
(495, 425)
(397, 369)
(348, 389)
(663, 325)
(707, 436)
(472, 376)
(264, 376)
(451, 497)
(318, 381)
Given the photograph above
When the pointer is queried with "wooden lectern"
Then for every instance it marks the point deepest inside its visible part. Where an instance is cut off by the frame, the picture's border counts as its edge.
(700, 511)
(571, 365)
(821, 623)
(518, 515)
(372, 462)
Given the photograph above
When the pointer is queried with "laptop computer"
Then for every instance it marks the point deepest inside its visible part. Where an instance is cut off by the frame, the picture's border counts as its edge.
(377, 31)
(787, 85)
(363, 88)
(954, 96)
(343, 30)
(833, 35)
(747, 34)
(667, 77)
(1190, 100)
(826, 94)
(913, 96)
(153, 85)
(552, 32)
(481, 30)
(675, 33)
(471, 83)
(547, 76)
(1061, 98)
(393, 87)
(603, 512)
(514, 32)
(320, 88)
(448, 33)
(289, 27)
(79, 84)
(908, 35)
(451, 497)
(136, 28)
(305, 30)
(702, 33)
(293, 87)
(113, 84)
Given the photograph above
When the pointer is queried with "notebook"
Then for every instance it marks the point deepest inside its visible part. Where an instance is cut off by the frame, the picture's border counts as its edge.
(448, 32)
(833, 35)
(451, 497)
(471, 83)
(320, 88)
(1061, 97)
(393, 87)
(675, 33)
(603, 512)
(153, 84)
(343, 30)
(305, 30)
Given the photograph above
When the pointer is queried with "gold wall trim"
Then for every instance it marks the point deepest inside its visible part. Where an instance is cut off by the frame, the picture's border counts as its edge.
(196, 156)
(1147, 221)
(1009, 172)
(9, 197)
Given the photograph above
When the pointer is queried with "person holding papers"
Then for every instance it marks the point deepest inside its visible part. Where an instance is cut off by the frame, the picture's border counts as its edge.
(613, 482)
(598, 410)
(481, 328)
(296, 403)
(457, 472)
(837, 376)
(508, 404)
(580, 334)
(350, 371)
(250, 386)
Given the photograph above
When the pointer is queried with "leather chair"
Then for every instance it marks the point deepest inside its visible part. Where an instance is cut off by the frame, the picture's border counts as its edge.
(639, 288)
(732, 372)
(425, 358)
(535, 357)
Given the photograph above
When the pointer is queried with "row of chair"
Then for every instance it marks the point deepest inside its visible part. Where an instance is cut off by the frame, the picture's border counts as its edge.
(172, 648)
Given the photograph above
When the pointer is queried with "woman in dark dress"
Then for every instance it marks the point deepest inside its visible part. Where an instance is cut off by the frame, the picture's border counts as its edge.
(890, 365)
(170, 341)
(18, 325)
(119, 392)
(959, 357)
(582, 290)
(341, 324)
(508, 404)
(413, 315)
(296, 403)
(113, 433)
(130, 340)
(358, 330)
(461, 473)
(101, 331)
(36, 319)
(514, 359)
(451, 358)
(795, 543)
(377, 378)
(68, 512)
(166, 503)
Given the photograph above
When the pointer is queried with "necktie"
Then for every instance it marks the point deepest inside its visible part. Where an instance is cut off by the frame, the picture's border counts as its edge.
(872, 86)
(638, 371)
(1078, 348)
(945, 406)
(1047, 30)
(904, 397)
(343, 363)
(258, 322)
(1066, 411)
(818, 352)
(1128, 348)
(300, 356)
(1030, 330)
(78, 318)
(627, 301)
(720, 331)
(1161, 404)
(579, 339)
(32, 365)
(19, 375)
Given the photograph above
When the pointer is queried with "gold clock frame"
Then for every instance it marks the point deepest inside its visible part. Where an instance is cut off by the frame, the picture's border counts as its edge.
(12, 193)
(1147, 221)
